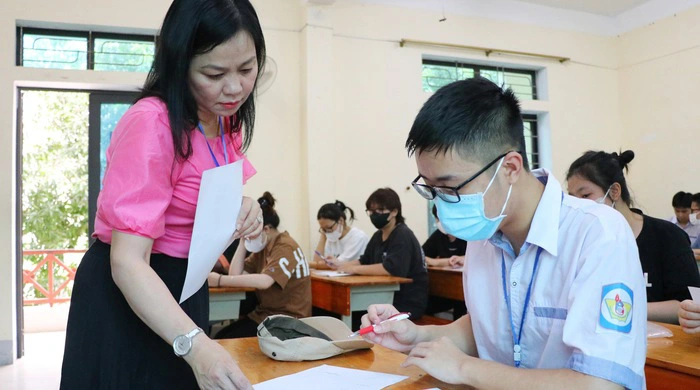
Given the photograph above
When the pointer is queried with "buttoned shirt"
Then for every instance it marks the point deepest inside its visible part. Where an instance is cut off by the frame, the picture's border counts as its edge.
(587, 309)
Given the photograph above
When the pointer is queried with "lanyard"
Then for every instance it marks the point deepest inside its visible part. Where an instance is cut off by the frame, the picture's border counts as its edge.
(223, 142)
(516, 341)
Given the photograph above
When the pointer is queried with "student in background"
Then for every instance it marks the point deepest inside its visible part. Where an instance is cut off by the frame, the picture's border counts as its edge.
(442, 249)
(339, 240)
(682, 202)
(277, 270)
(392, 250)
(554, 284)
(667, 262)
(694, 217)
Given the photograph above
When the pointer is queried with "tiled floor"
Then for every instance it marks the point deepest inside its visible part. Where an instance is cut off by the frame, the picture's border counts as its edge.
(40, 368)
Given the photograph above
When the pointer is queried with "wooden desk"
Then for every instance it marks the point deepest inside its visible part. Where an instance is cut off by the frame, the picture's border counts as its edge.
(446, 282)
(345, 294)
(673, 363)
(258, 368)
(225, 302)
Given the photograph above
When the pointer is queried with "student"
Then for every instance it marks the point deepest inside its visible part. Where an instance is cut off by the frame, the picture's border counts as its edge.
(338, 239)
(541, 290)
(196, 111)
(694, 217)
(392, 250)
(277, 270)
(682, 202)
(442, 249)
(667, 261)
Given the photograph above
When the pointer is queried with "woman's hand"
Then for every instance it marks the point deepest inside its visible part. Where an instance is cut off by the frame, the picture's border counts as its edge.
(213, 367)
(214, 279)
(689, 316)
(250, 219)
(400, 336)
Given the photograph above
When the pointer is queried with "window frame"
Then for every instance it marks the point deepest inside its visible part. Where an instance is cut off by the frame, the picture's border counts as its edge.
(89, 35)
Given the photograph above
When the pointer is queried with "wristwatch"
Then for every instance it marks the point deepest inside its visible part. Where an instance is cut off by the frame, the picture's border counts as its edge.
(182, 345)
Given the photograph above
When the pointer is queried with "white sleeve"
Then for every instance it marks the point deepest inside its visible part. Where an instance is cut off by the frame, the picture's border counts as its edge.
(355, 245)
(607, 327)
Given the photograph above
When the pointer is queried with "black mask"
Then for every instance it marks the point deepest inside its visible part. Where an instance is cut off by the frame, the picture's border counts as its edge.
(379, 220)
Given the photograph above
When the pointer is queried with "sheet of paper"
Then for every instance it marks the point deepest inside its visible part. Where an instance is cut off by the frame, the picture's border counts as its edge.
(218, 204)
(331, 377)
(330, 273)
(695, 293)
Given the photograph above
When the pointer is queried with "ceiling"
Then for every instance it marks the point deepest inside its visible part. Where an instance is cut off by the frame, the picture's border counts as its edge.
(598, 7)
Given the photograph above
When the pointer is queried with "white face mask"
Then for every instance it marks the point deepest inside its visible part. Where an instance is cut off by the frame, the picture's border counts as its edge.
(335, 235)
(693, 218)
(257, 244)
(602, 199)
(440, 228)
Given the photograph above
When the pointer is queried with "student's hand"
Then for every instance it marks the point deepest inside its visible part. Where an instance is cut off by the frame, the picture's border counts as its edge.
(213, 367)
(689, 316)
(214, 279)
(440, 358)
(333, 262)
(400, 336)
(456, 261)
(250, 219)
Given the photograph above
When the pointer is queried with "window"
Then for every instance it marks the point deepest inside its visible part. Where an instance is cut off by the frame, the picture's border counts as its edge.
(439, 73)
(62, 49)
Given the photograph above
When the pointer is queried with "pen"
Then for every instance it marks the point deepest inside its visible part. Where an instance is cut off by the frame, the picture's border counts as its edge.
(367, 329)
(321, 256)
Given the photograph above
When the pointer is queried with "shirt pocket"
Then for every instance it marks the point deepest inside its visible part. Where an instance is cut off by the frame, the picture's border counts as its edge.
(552, 313)
(547, 320)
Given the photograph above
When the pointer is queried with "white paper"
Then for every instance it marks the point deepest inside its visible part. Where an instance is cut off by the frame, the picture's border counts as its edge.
(218, 204)
(695, 293)
(330, 273)
(331, 377)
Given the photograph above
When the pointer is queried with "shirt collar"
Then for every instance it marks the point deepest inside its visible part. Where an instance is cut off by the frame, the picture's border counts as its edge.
(544, 229)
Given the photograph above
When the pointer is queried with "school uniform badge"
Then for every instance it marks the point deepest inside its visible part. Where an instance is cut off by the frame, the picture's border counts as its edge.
(616, 308)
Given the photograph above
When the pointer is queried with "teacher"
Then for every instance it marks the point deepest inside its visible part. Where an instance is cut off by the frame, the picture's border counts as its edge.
(196, 112)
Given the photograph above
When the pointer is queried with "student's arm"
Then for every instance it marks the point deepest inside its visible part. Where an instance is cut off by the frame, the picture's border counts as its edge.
(369, 269)
(666, 311)
(237, 261)
(696, 252)
(257, 281)
(153, 303)
(317, 261)
(432, 262)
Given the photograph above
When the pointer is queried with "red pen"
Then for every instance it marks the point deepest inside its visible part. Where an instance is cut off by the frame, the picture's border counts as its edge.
(368, 329)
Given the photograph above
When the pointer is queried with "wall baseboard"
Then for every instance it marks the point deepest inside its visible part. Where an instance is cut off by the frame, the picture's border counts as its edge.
(7, 353)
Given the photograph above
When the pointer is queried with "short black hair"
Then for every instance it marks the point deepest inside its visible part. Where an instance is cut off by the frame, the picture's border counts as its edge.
(191, 28)
(336, 211)
(475, 117)
(267, 204)
(604, 169)
(386, 198)
(682, 200)
(696, 198)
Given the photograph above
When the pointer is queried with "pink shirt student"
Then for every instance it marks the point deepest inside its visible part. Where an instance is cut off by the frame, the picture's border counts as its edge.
(146, 190)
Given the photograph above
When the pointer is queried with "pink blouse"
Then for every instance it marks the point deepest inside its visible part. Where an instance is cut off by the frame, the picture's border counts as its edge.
(145, 190)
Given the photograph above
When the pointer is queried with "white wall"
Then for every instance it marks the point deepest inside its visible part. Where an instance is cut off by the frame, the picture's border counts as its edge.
(660, 84)
(333, 124)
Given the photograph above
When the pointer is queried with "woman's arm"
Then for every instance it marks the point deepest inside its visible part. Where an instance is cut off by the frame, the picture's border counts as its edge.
(153, 303)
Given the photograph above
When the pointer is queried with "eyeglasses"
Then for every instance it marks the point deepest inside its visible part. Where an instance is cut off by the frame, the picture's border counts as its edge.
(377, 211)
(329, 230)
(450, 194)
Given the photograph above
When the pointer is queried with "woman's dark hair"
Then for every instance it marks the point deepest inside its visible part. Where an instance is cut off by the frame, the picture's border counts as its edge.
(336, 211)
(682, 200)
(191, 28)
(385, 198)
(434, 210)
(267, 204)
(604, 169)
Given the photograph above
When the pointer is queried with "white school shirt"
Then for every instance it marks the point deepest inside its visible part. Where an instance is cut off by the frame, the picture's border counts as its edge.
(692, 230)
(350, 247)
(587, 309)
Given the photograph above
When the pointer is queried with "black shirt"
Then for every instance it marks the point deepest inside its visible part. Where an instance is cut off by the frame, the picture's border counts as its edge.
(667, 260)
(402, 256)
(438, 246)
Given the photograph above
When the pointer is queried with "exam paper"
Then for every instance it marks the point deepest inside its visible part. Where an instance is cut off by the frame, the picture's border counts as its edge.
(218, 204)
(330, 273)
(331, 377)
(695, 293)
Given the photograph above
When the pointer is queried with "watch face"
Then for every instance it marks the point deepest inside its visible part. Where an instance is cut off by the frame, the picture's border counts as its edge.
(182, 345)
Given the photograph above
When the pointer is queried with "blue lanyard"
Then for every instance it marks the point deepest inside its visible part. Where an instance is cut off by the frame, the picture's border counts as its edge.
(223, 142)
(516, 341)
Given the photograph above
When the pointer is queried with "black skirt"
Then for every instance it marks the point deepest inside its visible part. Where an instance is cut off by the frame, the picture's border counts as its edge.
(108, 346)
